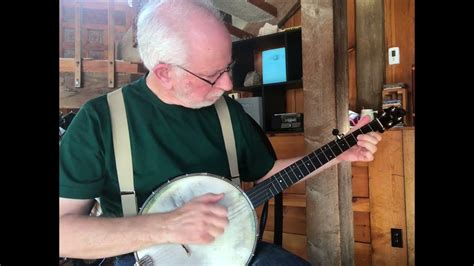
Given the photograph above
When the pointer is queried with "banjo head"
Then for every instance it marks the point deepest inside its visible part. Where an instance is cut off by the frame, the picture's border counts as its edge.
(234, 247)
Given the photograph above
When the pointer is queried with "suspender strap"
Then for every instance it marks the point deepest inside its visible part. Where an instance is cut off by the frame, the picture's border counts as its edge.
(229, 141)
(123, 153)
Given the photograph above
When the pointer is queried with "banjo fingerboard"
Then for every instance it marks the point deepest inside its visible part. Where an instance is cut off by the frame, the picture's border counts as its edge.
(303, 167)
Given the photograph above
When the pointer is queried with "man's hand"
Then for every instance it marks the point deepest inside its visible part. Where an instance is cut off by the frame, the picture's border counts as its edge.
(199, 221)
(366, 145)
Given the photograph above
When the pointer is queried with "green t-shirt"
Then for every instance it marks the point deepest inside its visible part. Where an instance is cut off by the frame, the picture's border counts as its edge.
(167, 141)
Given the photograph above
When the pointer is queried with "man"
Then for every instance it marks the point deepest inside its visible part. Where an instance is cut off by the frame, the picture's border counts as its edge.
(174, 130)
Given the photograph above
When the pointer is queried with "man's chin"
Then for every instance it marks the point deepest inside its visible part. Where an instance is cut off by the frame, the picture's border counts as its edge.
(204, 104)
(210, 100)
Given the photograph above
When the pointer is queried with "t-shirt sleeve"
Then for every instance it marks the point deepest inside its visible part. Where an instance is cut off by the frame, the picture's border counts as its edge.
(81, 157)
(254, 150)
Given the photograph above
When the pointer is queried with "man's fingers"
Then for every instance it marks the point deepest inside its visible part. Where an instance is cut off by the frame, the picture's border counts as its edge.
(209, 198)
(371, 137)
(210, 203)
(362, 121)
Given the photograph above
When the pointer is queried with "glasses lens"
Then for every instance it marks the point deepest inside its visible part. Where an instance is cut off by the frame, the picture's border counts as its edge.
(228, 70)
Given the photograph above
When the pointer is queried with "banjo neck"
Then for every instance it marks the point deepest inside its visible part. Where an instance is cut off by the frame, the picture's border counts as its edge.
(305, 166)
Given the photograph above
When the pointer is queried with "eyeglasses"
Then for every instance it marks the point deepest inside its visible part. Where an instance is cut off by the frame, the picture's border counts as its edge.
(227, 69)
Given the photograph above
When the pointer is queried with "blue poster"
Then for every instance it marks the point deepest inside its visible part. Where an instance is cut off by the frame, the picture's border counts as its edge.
(274, 65)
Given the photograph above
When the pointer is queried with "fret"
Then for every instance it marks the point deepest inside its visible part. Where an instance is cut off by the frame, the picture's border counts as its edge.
(336, 150)
(352, 141)
(337, 145)
(284, 173)
(375, 126)
(283, 178)
(305, 167)
(321, 157)
(328, 153)
(273, 185)
(343, 144)
(292, 173)
(271, 192)
(292, 168)
(313, 162)
(318, 163)
(309, 165)
(340, 145)
(301, 174)
(365, 129)
(279, 181)
(268, 194)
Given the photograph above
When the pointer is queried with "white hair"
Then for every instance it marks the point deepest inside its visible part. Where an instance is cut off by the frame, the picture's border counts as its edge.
(161, 34)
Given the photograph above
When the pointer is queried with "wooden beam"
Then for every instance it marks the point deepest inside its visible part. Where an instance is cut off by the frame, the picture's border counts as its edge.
(111, 43)
(94, 85)
(77, 46)
(118, 28)
(99, 4)
(370, 56)
(328, 196)
(264, 6)
(346, 217)
(61, 30)
(238, 32)
(293, 10)
(89, 65)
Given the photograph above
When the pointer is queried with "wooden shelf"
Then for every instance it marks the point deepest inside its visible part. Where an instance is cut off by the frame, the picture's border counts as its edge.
(288, 85)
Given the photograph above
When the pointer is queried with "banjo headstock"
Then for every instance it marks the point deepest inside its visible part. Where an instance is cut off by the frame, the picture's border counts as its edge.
(391, 117)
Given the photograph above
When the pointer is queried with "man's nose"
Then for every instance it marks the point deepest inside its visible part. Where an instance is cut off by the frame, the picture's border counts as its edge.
(225, 82)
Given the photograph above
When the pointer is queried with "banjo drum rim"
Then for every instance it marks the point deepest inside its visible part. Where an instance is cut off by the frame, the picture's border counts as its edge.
(178, 178)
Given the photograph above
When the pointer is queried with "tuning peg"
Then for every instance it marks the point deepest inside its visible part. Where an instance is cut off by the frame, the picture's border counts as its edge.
(335, 132)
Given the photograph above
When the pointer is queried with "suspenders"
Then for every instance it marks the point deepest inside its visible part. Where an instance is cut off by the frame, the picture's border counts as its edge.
(229, 141)
(123, 154)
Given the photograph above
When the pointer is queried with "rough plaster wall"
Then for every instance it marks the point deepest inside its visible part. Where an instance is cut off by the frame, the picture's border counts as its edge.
(243, 10)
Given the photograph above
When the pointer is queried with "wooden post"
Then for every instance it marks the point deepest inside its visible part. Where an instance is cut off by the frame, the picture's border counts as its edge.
(328, 201)
(111, 43)
(61, 29)
(344, 170)
(370, 53)
(77, 45)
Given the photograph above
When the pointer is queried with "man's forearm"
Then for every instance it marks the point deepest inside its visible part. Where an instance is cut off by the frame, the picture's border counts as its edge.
(98, 237)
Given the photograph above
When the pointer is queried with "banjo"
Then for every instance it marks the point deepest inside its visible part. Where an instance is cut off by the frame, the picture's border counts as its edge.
(237, 244)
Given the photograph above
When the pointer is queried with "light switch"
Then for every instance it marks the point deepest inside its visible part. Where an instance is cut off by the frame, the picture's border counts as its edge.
(393, 55)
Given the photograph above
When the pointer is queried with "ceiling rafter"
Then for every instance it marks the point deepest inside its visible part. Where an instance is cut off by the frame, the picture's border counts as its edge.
(238, 32)
(270, 9)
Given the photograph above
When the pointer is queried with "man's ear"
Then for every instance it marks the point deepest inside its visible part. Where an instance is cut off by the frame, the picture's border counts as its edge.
(162, 74)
